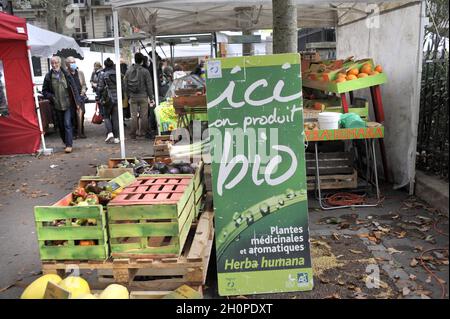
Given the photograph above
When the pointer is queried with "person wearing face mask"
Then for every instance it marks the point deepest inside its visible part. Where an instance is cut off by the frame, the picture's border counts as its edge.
(61, 90)
(78, 114)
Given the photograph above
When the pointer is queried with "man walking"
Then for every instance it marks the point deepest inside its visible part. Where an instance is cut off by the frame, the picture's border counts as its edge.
(80, 81)
(60, 89)
(138, 87)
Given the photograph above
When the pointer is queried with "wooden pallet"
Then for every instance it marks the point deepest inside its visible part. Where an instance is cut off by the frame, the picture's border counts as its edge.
(336, 171)
(152, 217)
(348, 181)
(165, 274)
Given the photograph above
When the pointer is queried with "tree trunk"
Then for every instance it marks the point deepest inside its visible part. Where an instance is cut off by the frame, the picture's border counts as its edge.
(247, 48)
(56, 16)
(285, 36)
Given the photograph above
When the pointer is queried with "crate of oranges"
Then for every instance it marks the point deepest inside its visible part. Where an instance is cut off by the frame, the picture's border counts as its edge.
(353, 76)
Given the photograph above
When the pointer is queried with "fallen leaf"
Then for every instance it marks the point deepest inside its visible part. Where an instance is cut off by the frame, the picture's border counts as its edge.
(355, 251)
(442, 281)
(438, 255)
(360, 295)
(335, 236)
(384, 229)
(378, 234)
(401, 234)
(424, 296)
(424, 292)
(344, 225)
(365, 235)
(413, 262)
(428, 280)
(373, 239)
(429, 238)
(394, 251)
(406, 291)
(412, 277)
(324, 280)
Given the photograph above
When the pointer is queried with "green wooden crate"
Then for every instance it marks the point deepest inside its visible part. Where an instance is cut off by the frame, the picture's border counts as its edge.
(360, 107)
(47, 235)
(151, 230)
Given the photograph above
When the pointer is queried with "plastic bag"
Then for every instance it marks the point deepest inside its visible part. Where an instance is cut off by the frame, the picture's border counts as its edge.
(352, 120)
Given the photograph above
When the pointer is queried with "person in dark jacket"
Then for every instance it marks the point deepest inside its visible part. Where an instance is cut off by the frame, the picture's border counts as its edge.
(61, 90)
(138, 87)
(107, 91)
(80, 81)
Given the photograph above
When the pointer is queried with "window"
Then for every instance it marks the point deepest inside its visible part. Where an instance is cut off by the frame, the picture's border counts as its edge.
(109, 26)
(3, 98)
(80, 25)
(37, 66)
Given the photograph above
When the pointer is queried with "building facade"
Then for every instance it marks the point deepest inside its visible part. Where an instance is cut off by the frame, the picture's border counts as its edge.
(82, 19)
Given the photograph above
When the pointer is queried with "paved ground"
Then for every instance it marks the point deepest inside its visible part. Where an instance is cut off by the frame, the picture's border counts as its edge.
(347, 244)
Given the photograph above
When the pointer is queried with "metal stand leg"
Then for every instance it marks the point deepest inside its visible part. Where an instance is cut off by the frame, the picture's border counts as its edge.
(375, 168)
(319, 191)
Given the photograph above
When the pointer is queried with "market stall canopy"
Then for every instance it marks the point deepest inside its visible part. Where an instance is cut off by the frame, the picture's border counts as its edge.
(45, 44)
(165, 17)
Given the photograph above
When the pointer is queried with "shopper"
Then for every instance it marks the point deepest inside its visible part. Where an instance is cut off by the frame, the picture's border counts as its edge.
(125, 102)
(61, 90)
(95, 75)
(107, 90)
(138, 87)
(80, 81)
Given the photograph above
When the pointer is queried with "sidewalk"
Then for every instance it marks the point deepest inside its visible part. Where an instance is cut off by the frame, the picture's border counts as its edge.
(345, 242)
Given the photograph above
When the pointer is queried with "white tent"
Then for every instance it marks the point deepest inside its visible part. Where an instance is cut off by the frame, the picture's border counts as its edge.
(391, 32)
(45, 43)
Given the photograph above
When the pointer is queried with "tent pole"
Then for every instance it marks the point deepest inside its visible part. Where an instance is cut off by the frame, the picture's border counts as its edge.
(119, 83)
(44, 150)
(155, 74)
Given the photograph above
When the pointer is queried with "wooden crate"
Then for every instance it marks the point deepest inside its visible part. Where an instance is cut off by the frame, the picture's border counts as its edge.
(199, 185)
(162, 275)
(113, 162)
(162, 149)
(48, 234)
(180, 102)
(154, 215)
(336, 171)
(84, 180)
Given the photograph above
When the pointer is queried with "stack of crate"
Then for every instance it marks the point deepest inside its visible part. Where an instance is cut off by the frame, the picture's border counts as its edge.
(152, 217)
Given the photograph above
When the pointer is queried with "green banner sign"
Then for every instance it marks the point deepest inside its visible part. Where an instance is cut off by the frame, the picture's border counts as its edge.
(255, 113)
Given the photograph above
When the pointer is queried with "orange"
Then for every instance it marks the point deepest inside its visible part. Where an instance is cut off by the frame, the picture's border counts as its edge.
(379, 69)
(366, 68)
(351, 77)
(374, 73)
(87, 243)
(362, 75)
(353, 72)
(318, 106)
(341, 79)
